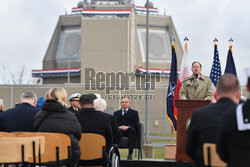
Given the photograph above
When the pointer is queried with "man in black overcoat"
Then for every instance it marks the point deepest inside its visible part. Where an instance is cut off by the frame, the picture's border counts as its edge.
(20, 118)
(93, 121)
(233, 144)
(205, 121)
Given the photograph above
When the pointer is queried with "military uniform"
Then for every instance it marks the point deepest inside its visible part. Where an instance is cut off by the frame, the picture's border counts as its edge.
(200, 89)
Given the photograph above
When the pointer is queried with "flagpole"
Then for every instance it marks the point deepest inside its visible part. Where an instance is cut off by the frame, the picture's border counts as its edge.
(172, 129)
(172, 134)
(147, 78)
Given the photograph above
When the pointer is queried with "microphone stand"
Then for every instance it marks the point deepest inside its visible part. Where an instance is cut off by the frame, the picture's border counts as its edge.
(195, 76)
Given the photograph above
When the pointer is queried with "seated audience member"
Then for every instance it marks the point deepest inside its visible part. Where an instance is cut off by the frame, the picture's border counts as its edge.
(233, 144)
(205, 120)
(93, 121)
(101, 105)
(127, 120)
(20, 118)
(54, 117)
(40, 102)
(74, 102)
(1, 105)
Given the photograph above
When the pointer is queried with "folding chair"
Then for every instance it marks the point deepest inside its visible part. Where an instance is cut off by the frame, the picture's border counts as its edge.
(211, 157)
(139, 140)
(6, 134)
(56, 151)
(16, 150)
(93, 151)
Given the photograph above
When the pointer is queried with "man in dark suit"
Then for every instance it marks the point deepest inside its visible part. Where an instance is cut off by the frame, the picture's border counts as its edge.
(205, 121)
(93, 121)
(20, 118)
(128, 120)
(101, 105)
(233, 144)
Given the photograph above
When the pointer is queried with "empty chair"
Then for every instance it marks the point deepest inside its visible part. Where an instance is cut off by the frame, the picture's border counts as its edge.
(93, 151)
(211, 157)
(56, 148)
(6, 134)
(14, 150)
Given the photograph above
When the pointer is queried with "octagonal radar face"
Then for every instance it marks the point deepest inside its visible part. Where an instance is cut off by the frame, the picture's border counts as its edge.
(69, 46)
(159, 46)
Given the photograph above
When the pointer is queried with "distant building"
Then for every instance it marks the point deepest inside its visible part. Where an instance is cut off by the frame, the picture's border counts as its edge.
(108, 36)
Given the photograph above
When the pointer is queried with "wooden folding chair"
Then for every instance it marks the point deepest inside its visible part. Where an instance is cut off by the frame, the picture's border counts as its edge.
(211, 157)
(14, 150)
(56, 148)
(18, 133)
(6, 134)
(93, 150)
(64, 147)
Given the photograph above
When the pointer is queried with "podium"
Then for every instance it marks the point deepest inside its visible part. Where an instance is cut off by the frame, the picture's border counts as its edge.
(185, 109)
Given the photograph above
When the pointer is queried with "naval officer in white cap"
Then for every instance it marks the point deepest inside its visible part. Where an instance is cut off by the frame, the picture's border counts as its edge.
(233, 143)
(74, 102)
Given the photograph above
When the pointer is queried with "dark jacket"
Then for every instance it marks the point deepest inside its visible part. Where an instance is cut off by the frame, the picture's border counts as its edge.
(233, 145)
(203, 127)
(20, 118)
(93, 121)
(59, 120)
(72, 110)
(131, 118)
(115, 130)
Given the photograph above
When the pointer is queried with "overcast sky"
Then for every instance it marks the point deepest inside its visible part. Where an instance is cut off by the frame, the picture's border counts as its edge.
(26, 27)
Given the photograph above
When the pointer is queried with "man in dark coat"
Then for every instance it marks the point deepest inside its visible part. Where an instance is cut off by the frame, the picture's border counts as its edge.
(233, 144)
(127, 120)
(101, 105)
(205, 121)
(20, 118)
(93, 121)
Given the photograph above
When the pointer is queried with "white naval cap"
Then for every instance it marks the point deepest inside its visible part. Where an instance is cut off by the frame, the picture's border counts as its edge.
(74, 97)
(98, 96)
(247, 71)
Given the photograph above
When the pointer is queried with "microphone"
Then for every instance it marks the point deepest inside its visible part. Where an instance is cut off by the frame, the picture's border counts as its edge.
(194, 77)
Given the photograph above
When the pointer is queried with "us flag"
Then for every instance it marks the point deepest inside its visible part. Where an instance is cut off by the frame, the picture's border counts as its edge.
(215, 71)
(216, 67)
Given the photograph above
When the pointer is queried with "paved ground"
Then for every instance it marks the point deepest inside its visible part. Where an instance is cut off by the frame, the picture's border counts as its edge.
(160, 137)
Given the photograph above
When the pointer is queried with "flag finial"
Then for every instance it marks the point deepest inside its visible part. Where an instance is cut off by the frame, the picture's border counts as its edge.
(173, 40)
(186, 39)
(215, 40)
(231, 41)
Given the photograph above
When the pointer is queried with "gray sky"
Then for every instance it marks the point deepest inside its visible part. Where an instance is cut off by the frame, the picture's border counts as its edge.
(27, 27)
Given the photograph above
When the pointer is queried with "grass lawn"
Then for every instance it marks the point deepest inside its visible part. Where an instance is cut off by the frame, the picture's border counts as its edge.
(159, 152)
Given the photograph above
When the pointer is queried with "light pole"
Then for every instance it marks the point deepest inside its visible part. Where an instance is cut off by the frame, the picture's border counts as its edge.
(147, 77)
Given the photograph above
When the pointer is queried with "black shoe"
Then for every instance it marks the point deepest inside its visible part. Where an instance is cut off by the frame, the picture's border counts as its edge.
(129, 157)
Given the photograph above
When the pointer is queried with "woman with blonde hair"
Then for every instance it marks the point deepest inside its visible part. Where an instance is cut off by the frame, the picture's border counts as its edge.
(54, 117)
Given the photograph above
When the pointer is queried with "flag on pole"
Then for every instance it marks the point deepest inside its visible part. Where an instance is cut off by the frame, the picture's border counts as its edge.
(171, 89)
(215, 73)
(184, 73)
(185, 68)
(230, 66)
